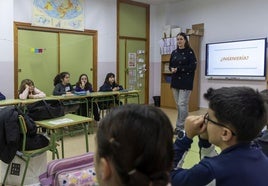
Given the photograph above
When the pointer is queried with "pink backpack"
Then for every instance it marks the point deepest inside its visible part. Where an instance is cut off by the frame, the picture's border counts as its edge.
(78, 170)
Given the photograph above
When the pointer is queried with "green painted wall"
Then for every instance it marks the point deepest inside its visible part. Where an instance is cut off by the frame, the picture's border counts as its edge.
(39, 67)
(132, 20)
(132, 23)
(75, 57)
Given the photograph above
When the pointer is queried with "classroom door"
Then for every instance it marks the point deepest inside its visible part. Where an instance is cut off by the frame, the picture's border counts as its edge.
(76, 55)
(37, 58)
(132, 70)
(133, 37)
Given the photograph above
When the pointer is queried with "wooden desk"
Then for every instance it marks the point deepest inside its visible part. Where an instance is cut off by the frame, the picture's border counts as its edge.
(24, 102)
(101, 97)
(9, 102)
(29, 101)
(73, 99)
(129, 94)
(56, 127)
(96, 95)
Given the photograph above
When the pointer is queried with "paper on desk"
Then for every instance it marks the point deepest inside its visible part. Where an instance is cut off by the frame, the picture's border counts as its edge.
(60, 121)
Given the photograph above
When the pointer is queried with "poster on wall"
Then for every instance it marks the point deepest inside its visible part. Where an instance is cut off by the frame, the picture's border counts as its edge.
(63, 14)
(132, 79)
(132, 57)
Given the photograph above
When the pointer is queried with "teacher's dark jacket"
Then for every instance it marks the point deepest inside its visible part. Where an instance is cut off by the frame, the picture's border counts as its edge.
(185, 62)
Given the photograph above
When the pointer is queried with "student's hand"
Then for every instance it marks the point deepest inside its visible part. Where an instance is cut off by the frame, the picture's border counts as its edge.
(31, 96)
(194, 125)
(69, 94)
(204, 135)
(115, 88)
(27, 86)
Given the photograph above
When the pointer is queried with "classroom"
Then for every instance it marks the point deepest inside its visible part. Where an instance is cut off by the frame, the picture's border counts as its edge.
(222, 21)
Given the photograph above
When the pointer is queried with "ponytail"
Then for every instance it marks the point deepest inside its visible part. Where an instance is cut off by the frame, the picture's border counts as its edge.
(59, 77)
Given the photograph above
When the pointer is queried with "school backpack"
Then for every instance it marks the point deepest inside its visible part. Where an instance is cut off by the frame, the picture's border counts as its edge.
(45, 109)
(78, 170)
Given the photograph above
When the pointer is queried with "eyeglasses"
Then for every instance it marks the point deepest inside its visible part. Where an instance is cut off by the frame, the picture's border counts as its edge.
(206, 120)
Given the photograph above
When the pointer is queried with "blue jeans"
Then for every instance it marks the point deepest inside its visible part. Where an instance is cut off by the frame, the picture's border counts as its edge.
(182, 101)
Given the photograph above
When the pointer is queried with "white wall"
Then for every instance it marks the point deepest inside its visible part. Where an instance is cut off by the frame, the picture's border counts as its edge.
(223, 21)
(6, 48)
(100, 15)
(158, 18)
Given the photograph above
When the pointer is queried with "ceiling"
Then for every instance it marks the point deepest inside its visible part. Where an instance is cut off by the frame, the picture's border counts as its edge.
(154, 2)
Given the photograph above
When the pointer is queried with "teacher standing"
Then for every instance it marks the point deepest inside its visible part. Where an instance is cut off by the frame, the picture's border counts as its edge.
(182, 66)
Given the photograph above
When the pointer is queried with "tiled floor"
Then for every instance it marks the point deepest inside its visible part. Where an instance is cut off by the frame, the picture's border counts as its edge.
(75, 145)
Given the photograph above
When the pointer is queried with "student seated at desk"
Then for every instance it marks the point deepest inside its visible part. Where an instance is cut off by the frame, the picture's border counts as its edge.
(235, 117)
(134, 147)
(2, 96)
(29, 91)
(83, 85)
(63, 87)
(111, 85)
(62, 84)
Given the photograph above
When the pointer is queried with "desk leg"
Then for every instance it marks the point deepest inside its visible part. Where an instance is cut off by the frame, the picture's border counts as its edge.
(62, 142)
(87, 107)
(91, 107)
(58, 135)
(86, 134)
(127, 96)
(138, 96)
(54, 145)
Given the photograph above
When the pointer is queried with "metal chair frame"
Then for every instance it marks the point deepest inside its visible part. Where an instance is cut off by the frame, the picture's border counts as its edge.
(26, 155)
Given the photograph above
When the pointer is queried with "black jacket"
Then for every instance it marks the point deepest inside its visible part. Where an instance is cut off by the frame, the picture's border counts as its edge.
(109, 87)
(9, 133)
(185, 62)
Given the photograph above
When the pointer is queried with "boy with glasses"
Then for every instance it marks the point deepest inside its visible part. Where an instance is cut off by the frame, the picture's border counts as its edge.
(235, 117)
